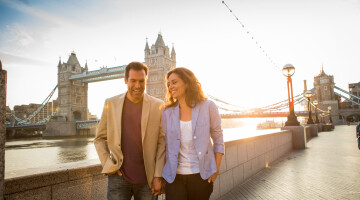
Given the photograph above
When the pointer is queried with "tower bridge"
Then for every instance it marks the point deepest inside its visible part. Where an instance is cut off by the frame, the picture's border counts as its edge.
(72, 116)
(73, 83)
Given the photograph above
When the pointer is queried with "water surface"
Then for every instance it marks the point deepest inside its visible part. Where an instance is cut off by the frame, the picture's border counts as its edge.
(22, 154)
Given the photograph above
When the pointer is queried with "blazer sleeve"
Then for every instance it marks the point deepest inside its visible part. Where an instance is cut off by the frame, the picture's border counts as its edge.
(216, 133)
(160, 154)
(100, 140)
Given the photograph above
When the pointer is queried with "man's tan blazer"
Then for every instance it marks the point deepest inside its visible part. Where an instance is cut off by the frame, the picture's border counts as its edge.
(108, 136)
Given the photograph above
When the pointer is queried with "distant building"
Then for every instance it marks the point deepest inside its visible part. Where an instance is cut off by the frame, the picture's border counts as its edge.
(354, 88)
(346, 104)
(8, 114)
(92, 117)
(159, 60)
(24, 111)
(72, 95)
(325, 95)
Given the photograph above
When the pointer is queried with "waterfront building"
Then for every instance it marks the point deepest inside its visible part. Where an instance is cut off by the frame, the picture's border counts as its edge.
(354, 88)
(72, 95)
(325, 95)
(23, 111)
(159, 60)
(8, 114)
(346, 104)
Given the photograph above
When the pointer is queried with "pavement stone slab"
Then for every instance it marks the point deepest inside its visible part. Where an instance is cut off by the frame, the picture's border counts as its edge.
(329, 168)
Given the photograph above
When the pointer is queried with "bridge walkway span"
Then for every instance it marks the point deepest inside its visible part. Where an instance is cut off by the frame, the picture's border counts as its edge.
(327, 169)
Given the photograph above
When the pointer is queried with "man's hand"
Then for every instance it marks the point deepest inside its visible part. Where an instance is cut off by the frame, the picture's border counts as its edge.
(156, 186)
(119, 172)
(213, 177)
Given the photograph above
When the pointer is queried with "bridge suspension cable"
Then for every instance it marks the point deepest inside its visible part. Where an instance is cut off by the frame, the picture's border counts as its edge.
(315, 106)
(223, 105)
(344, 91)
(36, 111)
(354, 102)
(276, 106)
(224, 102)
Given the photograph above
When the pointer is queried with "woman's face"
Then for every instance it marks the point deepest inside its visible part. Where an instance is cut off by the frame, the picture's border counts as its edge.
(176, 86)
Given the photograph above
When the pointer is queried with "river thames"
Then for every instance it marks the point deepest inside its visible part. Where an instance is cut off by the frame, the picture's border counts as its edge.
(23, 154)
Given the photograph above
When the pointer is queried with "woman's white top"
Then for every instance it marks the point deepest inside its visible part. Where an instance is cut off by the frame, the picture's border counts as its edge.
(188, 162)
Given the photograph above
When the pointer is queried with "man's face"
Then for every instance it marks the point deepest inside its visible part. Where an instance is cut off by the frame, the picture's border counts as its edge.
(136, 85)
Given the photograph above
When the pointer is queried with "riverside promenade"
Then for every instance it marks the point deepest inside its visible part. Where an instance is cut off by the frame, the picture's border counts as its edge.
(329, 168)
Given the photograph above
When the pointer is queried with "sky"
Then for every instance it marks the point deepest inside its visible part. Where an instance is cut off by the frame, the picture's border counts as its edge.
(309, 34)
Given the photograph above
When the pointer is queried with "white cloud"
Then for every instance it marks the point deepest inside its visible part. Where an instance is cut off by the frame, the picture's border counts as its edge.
(18, 35)
(14, 59)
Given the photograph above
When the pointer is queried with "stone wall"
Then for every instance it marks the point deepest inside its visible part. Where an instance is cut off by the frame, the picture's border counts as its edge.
(3, 77)
(57, 129)
(82, 180)
(79, 181)
(244, 158)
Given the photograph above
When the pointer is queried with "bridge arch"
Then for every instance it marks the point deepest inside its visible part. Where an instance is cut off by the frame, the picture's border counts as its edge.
(76, 116)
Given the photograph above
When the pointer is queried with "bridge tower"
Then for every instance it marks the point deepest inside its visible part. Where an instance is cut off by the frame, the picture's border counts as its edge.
(72, 95)
(324, 94)
(159, 60)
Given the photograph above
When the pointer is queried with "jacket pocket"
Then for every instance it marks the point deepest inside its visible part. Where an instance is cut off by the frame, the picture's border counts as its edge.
(111, 156)
(109, 167)
(209, 163)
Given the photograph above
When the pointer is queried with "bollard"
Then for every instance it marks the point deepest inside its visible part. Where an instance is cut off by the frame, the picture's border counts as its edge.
(2, 129)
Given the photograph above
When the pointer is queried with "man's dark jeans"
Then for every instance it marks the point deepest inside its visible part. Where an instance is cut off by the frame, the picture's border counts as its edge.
(120, 189)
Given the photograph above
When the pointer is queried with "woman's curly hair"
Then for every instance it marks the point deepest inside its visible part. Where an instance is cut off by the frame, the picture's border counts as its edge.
(193, 93)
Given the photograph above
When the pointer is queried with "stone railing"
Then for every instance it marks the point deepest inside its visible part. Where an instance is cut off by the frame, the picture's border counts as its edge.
(245, 157)
(82, 180)
(3, 88)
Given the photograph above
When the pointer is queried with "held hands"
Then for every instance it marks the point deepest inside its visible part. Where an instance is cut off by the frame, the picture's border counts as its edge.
(213, 177)
(157, 186)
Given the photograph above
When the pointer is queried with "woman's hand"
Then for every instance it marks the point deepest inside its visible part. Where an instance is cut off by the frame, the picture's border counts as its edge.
(213, 177)
(157, 185)
(218, 157)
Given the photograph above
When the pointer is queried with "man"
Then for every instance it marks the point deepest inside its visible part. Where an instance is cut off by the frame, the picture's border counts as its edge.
(130, 141)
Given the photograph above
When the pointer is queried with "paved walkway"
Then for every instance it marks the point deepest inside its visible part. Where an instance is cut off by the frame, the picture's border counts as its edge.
(329, 168)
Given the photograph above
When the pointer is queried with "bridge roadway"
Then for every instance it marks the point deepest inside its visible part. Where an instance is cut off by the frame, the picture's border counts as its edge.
(329, 168)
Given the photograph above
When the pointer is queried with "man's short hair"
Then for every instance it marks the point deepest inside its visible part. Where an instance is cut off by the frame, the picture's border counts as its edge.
(138, 66)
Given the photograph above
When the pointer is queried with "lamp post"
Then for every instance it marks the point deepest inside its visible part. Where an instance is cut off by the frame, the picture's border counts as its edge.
(329, 110)
(289, 70)
(315, 102)
(308, 95)
(321, 118)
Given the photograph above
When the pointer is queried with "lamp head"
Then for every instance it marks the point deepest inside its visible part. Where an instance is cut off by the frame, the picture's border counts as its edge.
(308, 94)
(288, 70)
(315, 102)
(329, 108)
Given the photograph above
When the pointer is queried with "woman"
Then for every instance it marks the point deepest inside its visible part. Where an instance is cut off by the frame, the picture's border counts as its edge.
(189, 121)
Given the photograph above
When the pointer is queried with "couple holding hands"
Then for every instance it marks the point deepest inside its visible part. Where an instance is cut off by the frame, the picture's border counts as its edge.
(147, 147)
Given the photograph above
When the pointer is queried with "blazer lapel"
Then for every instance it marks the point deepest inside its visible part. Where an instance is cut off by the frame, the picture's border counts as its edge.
(120, 103)
(176, 120)
(194, 117)
(144, 116)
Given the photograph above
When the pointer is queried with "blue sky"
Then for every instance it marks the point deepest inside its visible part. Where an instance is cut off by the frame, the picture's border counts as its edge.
(207, 39)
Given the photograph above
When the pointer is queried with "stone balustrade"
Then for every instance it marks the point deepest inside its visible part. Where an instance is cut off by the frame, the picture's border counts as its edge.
(82, 180)
(245, 157)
